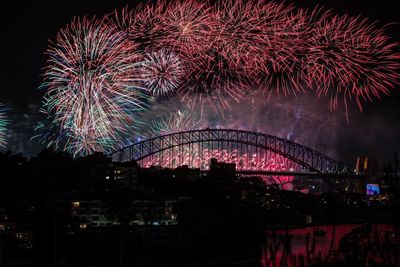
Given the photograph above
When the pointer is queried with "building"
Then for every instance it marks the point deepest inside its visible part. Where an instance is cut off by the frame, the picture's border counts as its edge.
(7, 223)
(367, 165)
(184, 173)
(90, 214)
(155, 212)
(222, 170)
(123, 172)
(24, 239)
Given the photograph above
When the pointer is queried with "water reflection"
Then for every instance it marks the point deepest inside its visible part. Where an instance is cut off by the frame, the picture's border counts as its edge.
(331, 245)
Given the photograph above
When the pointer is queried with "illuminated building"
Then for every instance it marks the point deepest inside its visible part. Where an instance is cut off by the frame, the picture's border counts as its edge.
(125, 173)
(367, 165)
(155, 212)
(90, 213)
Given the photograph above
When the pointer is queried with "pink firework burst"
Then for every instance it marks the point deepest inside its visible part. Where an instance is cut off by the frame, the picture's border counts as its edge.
(282, 71)
(263, 41)
(186, 26)
(237, 30)
(349, 58)
(142, 25)
(162, 72)
(212, 82)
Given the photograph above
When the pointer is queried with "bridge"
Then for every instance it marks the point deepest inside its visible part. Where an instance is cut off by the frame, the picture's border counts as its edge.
(178, 149)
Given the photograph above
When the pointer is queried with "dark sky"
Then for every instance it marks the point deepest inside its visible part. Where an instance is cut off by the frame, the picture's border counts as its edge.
(28, 25)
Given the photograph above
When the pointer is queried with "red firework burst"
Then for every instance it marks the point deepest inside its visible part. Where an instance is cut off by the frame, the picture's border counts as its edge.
(142, 25)
(186, 26)
(349, 58)
(212, 82)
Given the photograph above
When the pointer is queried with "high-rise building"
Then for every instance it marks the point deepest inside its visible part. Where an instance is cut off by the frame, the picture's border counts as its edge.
(367, 165)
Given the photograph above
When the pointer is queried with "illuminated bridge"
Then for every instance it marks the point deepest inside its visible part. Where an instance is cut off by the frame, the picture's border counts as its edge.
(252, 152)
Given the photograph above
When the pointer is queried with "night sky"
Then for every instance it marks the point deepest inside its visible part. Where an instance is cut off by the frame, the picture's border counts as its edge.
(27, 27)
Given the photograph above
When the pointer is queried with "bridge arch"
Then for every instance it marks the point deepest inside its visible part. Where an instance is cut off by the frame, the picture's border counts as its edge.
(306, 157)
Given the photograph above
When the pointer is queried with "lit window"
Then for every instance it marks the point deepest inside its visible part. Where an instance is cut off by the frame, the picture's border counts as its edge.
(83, 226)
(76, 204)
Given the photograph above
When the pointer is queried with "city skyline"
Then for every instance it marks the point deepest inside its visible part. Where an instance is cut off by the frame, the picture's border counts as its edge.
(257, 133)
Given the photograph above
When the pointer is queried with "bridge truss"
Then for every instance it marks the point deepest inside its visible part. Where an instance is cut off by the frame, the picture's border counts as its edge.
(232, 145)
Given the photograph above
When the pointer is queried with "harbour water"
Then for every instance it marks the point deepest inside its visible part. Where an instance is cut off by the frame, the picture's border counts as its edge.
(326, 244)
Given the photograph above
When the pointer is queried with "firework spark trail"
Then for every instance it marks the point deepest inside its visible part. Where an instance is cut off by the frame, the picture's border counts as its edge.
(217, 68)
(285, 45)
(92, 86)
(141, 25)
(212, 83)
(252, 35)
(230, 62)
(176, 122)
(186, 27)
(237, 31)
(4, 123)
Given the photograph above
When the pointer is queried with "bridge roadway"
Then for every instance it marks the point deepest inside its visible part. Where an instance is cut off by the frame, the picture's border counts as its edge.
(290, 173)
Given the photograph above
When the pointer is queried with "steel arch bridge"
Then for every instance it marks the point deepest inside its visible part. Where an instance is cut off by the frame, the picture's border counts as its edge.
(309, 159)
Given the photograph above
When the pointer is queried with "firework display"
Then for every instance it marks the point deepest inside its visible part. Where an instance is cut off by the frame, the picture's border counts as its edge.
(93, 89)
(101, 72)
(232, 47)
(3, 127)
(196, 157)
